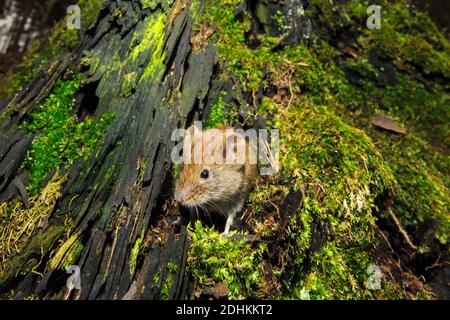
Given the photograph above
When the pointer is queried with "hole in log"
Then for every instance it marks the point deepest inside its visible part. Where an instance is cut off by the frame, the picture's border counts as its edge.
(87, 100)
(164, 207)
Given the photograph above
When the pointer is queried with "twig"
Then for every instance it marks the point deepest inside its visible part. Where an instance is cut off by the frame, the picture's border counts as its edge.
(402, 230)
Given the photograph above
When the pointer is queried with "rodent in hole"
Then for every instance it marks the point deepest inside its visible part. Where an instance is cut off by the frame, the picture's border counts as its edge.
(208, 182)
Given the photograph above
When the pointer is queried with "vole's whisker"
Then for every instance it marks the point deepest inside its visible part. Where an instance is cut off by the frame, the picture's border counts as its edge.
(196, 211)
(229, 200)
(216, 207)
(206, 211)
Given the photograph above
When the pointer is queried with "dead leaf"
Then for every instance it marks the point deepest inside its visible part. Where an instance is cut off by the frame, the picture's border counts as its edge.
(351, 52)
(386, 123)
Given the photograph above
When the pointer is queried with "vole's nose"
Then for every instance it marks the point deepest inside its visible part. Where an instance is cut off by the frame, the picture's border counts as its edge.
(180, 197)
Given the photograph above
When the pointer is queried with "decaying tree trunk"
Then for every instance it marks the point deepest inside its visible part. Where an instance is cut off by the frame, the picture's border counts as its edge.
(113, 197)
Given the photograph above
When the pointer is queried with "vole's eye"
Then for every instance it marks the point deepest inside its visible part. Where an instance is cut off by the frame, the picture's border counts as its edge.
(204, 174)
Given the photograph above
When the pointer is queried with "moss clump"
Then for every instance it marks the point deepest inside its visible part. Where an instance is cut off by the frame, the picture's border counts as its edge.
(407, 36)
(135, 252)
(418, 161)
(72, 254)
(346, 174)
(152, 4)
(18, 223)
(150, 37)
(422, 189)
(165, 290)
(248, 65)
(155, 279)
(61, 138)
(129, 84)
(220, 259)
(339, 157)
(221, 113)
(421, 107)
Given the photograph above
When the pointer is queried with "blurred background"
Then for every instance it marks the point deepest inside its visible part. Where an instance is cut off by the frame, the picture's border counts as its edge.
(21, 21)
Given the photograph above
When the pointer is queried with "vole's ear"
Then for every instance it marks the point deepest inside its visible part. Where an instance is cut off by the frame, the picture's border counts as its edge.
(236, 146)
(196, 127)
(232, 143)
(190, 130)
(193, 132)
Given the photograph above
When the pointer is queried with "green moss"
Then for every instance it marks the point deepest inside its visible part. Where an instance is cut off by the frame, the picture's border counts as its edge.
(167, 286)
(155, 279)
(422, 190)
(129, 84)
(152, 4)
(221, 259)
(341, 157)
(135, 252)
(61, 138)
(247, 64)
(348, 174)
(328, 14)
(89, 11)
(151, 37)
(425, 110)
(222, 113)
(407, 36)
(418, 161)
(72, 254)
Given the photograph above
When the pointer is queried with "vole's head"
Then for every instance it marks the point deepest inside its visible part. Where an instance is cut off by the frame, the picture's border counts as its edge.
(206, 182)
(200, 184)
